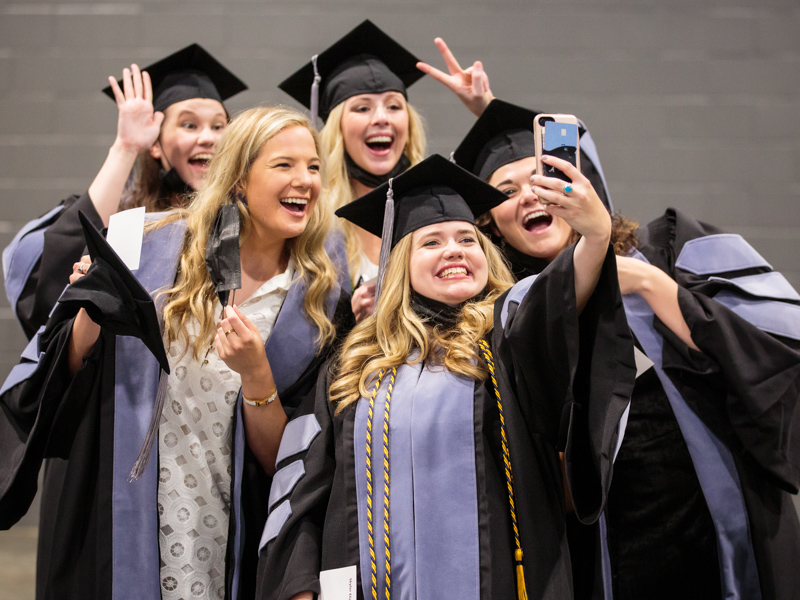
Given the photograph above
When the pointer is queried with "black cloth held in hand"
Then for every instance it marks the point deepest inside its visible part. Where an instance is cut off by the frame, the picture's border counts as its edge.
(113, 297)
(222, 252)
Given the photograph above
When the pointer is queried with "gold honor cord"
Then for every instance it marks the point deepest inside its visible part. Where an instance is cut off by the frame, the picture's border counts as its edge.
(370, 413)
(522, 593)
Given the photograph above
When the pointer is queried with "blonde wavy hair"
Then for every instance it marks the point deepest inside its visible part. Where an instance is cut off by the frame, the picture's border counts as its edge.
(339, 189)
(193, 295)
(386, 340)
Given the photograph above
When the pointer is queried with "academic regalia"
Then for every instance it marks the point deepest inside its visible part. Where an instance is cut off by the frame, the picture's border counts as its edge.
(564, 382)
(38, 262)
(98, 530)
(700, 505)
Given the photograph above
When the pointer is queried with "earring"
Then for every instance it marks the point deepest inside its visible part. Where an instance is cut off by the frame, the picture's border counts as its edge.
(241, 197)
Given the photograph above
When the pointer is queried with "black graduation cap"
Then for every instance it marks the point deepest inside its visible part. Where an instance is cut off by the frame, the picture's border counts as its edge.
(503, 134)
(113, 297)
(434, 191)
(189, 73)
(365, 61)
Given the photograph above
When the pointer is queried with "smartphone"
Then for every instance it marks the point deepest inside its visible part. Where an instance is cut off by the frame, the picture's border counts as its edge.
(556, 135)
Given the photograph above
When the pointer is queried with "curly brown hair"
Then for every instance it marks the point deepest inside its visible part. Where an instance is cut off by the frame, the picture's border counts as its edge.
(623, 234)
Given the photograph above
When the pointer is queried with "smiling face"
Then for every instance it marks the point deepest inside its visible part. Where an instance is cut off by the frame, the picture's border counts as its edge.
(447, 263)
(283, 184)
(189, 136)
(375, 130)
(521, 220)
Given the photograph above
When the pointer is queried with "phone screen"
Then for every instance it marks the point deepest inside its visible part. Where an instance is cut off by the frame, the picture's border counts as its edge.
(560, 140)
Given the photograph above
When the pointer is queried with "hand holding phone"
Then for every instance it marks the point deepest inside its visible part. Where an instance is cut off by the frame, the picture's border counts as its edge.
(556, 135)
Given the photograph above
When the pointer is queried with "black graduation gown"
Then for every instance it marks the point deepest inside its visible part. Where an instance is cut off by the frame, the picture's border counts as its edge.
(58, 245)
(565, 381)
(663, 539)
(70, 422)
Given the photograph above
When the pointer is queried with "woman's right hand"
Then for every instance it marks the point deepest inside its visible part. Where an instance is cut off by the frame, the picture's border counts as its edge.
(138, 126)
(363, 301)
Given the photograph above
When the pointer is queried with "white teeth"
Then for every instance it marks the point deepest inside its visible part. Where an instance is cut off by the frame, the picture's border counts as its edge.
(202, 157)
(535, 214)
(380, 139)
(452, 271)
(302, 201)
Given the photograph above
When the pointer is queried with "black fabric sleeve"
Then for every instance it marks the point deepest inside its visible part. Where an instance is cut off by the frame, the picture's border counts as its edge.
(290, 563)
(39, 418)
(754, 376)
(63, 246)
(579, 370)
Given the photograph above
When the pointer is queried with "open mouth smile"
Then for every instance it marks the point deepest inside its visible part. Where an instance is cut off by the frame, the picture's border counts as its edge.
(199, 162)
(537, 221)
(380, 144)
(296, 206)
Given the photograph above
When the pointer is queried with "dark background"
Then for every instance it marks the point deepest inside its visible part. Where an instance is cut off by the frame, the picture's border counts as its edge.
(692, 103)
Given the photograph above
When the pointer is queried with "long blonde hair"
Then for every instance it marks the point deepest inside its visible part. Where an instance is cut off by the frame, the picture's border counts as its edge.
(386, 340)
(193, 294)
(339, 189)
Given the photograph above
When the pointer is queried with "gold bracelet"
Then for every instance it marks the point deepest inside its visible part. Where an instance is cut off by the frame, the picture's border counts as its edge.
(268, 400)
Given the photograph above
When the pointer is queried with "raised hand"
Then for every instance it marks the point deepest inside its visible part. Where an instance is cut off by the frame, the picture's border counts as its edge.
(138, 126)
(470, 85)
(363, 301)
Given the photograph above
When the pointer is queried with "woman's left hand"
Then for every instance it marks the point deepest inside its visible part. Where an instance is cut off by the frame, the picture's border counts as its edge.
(471, 85)
(581, 207)
(240, 346)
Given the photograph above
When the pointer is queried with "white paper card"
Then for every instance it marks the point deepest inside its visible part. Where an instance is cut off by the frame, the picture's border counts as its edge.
(642, 362)
(125, 232)
(338, 584)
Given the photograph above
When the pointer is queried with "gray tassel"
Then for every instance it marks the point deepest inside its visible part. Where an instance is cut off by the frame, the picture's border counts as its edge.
(152, 431)
(453, 157)
(386, 241)
(315, 94)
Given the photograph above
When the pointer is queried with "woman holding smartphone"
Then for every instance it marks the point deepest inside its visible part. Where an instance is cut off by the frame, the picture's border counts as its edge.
(703, 476)
(188, 525)
(474, 386)
(170, 119)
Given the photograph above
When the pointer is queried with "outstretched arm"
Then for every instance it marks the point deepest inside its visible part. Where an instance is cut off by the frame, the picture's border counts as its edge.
(138, 128)
(586, 214)
(471, 85)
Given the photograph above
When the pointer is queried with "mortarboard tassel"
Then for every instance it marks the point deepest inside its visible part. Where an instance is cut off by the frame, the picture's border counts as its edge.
(386, 241)
(147, 446)
(314, 108)
(223, 259)
(522, 593)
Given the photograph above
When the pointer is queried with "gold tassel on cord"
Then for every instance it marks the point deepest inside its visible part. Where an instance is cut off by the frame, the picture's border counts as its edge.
(522, 593)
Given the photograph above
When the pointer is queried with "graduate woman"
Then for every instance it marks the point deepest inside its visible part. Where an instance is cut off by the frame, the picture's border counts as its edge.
(170, 119)
(429, 462)
(358, 87)
(700, 506)
(180, 528)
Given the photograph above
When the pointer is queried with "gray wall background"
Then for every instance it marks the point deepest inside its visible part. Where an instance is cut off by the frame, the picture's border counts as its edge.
(693, 103)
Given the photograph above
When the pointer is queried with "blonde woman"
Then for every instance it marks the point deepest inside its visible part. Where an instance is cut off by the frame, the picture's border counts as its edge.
(436, 467)
(225, 384)
(371, 131)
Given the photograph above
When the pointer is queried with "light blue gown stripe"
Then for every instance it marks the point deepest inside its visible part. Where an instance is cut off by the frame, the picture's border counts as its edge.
(275, 522)
(719, 253)
(21, 255)
(771, 285)
(285, 480)
(297, 436)
(772, 316)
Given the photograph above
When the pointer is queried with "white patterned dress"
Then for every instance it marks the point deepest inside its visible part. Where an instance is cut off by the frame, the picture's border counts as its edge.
(194, 446)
